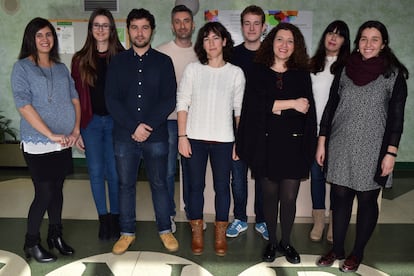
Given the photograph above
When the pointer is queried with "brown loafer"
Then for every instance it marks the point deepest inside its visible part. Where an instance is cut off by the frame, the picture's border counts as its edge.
(329, 259)
(350, 264)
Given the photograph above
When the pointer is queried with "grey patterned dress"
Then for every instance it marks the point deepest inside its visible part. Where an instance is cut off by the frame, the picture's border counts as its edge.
(357, 131)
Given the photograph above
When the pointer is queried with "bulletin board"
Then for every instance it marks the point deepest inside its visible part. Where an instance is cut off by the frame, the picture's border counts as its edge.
(72, 36)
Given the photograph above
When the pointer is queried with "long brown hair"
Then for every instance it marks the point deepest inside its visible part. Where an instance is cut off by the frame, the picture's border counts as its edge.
(87, 56)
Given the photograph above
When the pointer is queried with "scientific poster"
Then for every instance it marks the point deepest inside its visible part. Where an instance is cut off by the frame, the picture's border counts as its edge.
(66, 37)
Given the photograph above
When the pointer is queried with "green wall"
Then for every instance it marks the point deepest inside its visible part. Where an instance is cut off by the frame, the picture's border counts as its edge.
(395, 14)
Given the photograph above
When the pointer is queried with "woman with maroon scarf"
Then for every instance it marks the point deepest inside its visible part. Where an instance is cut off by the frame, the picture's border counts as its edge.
(359, 136)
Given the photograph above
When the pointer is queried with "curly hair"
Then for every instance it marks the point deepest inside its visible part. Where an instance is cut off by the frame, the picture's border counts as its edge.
(221, 31)
(299, 58)
(317, 62)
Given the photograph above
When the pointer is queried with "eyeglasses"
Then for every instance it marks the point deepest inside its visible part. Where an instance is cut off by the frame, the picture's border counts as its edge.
(279, 81)
(98, 26)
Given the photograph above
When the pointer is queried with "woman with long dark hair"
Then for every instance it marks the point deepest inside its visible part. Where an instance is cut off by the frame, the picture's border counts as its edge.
(329, 59)
(45, 96)
(89, 72)
(359, 136)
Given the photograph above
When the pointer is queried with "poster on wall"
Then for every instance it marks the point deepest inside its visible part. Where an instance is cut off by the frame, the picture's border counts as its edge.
(231, 20)
(66, 36)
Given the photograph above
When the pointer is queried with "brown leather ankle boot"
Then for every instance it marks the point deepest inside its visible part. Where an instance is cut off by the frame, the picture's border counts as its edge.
(197, 241)
(220, 245)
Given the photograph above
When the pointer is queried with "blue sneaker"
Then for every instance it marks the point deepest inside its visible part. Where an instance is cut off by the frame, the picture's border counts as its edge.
(236, 228)
(261, 228)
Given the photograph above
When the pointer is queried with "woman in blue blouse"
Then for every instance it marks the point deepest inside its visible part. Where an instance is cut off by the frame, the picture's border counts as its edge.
(45, 96)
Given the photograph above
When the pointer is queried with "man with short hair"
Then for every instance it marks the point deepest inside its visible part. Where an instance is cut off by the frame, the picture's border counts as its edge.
(140, 93)
(182, 53)
(253, 26)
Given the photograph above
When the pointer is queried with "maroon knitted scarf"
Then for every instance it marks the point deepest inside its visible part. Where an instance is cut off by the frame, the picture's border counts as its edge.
(362, 72)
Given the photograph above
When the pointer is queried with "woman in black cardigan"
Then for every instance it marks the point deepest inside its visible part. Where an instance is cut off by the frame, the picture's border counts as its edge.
(277, 130)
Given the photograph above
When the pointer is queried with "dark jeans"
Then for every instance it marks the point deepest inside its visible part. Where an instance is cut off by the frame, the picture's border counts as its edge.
(220, 155)
(318, 187)
(128, 157)
(185, 183)
(99, 152)
(239, 191)
(172, 161)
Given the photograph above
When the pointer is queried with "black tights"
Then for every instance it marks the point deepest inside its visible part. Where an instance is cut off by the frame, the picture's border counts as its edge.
(48, 197)
(367, 216)
(284, 192)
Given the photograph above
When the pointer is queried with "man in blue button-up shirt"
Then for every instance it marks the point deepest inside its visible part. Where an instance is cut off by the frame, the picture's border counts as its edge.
(140, 94)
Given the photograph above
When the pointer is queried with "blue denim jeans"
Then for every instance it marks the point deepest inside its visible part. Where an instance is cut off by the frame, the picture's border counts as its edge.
(128, 157)
(185, 183)
(220, 159)
(100, 158)
(239, 191)
(318, 187)
(172, 161)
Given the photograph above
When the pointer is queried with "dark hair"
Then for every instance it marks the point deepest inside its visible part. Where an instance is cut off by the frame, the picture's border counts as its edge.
(88, 56)
(218, 29)
(392, 64)
(253, 9)
(141, 14)
(181, 8)
(299, 58)
(29, 40)
(317, 62)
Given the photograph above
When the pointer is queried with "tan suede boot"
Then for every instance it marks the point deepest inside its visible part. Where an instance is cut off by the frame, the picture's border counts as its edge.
(197, 241)
(220, 245)
(318, 224)
(329, 235)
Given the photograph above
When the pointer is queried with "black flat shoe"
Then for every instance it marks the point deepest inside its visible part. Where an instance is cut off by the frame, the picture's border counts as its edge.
(40, 254)
(60, 245)
(290, 253)
(269, 254)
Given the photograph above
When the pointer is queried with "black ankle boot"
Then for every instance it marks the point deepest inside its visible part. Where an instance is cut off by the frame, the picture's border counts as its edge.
(114, 226)
(33, 249)
(55, 240)
(104, 227)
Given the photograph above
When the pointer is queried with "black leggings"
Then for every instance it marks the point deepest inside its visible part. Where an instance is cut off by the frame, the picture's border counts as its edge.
(48, 197)
(284, 192)
(367, 216)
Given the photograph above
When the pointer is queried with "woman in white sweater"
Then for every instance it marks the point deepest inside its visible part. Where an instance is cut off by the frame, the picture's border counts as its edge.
(209, 96)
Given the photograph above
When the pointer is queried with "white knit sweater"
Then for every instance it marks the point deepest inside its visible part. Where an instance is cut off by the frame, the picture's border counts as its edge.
(210, 96)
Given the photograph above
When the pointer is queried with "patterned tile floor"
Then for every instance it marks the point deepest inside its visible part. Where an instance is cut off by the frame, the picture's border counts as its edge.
(389, 252)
